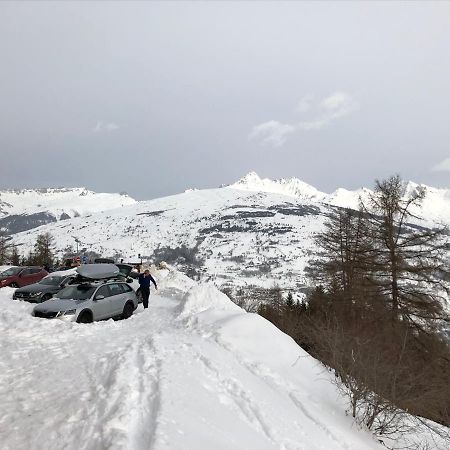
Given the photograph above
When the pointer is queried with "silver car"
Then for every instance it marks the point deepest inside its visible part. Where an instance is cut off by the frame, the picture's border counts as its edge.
(90, 301)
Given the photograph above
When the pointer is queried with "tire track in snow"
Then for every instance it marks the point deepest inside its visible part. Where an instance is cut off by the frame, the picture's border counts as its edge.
(126, 388)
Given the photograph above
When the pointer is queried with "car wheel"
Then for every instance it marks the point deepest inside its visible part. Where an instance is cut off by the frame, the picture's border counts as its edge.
(127, 310)
(85, 317)
(46, 297)
(14, 285)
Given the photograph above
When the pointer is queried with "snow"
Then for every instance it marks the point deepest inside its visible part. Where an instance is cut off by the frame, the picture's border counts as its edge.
(292, 187)
(58, 201)
(181, 220)
(435, 207)
(184, 374)
(204, 297)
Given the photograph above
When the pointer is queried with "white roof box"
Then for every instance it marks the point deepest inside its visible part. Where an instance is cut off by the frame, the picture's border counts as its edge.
(98, 271)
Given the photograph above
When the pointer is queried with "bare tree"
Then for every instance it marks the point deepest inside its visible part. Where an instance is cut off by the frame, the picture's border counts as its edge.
(408, 260)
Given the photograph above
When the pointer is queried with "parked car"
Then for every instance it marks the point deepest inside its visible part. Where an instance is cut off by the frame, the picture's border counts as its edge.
(21, 276)
(99, 293)
(89, 302)
(44, 289)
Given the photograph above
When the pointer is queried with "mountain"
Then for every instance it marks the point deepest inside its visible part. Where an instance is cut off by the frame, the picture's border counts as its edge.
(292, 187)
(235, 236)
(23, 209)
(251, 233)
(435, 208)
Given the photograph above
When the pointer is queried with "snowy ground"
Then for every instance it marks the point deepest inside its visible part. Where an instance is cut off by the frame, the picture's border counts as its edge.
(193, 371)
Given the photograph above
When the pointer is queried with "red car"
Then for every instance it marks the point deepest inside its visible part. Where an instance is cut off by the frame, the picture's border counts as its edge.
(21, 276)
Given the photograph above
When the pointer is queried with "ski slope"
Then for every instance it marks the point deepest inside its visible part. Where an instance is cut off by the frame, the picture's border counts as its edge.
(194, 371)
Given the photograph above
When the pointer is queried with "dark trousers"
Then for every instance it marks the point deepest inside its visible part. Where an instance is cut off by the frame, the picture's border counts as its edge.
(145, 295)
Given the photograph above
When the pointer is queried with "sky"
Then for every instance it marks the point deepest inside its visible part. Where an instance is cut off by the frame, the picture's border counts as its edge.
(152, 98)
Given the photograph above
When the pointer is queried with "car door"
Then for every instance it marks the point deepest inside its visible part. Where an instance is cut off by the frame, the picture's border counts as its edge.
(101, 306)
(36, 274)
(117, 298)
(25, 277)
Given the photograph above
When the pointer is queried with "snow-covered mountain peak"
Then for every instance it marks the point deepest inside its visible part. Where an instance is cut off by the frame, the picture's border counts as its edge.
(292, 187)
(22, 209)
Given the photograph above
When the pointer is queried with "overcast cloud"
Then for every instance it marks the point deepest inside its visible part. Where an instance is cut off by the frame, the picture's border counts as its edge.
(156, 97)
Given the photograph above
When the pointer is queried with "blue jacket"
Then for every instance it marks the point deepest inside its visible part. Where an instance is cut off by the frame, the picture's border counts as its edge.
(144, 281)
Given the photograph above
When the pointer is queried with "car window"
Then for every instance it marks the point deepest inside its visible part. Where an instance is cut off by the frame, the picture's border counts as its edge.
(51, 280)
(25, 272)
(115, 289)
(66, 279)
(77, 292)
(126, 288)
(11, 271)
(103, 290)
(35, 270)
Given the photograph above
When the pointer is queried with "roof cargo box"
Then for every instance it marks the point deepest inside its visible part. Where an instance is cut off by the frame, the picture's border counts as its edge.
(98, 271)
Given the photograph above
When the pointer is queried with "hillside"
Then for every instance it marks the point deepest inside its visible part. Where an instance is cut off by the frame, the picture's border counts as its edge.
(435, 208)
(228, 235)
(254, 232)
(23, 209)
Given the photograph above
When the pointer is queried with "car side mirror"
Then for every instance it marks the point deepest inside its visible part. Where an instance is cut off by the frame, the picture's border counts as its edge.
(99, 297)
(129, 280)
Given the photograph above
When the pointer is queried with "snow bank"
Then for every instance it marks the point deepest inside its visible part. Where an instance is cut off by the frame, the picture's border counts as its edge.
(171, 281)
(204, 297)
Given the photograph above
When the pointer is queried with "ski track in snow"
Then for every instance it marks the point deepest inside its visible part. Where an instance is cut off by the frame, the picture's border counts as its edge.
(154, 381)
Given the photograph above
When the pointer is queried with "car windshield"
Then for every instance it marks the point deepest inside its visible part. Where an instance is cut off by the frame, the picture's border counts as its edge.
(11, 271)
(52, 280)
(78, 292)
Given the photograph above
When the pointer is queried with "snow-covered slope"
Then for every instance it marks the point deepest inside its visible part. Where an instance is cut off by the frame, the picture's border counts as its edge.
(238, 235)
(59, 201)
(27, 208)
(435, 207)
(194, 371)
(188, 373)
(234, 236)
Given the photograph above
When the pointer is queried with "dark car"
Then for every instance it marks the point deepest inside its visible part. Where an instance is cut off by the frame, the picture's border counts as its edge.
(45, 289)
(21, 276)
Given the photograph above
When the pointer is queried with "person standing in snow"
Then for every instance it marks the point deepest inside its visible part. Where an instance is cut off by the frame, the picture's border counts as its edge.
(144, 282)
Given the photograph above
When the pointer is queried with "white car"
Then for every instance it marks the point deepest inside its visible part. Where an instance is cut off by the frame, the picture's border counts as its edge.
(98, 293)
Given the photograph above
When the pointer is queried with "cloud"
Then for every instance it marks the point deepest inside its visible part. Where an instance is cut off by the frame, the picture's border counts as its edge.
(304, 104)
(323, 112)
(330, 108)
(443, 166)
(102, 127)
(271, 133)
